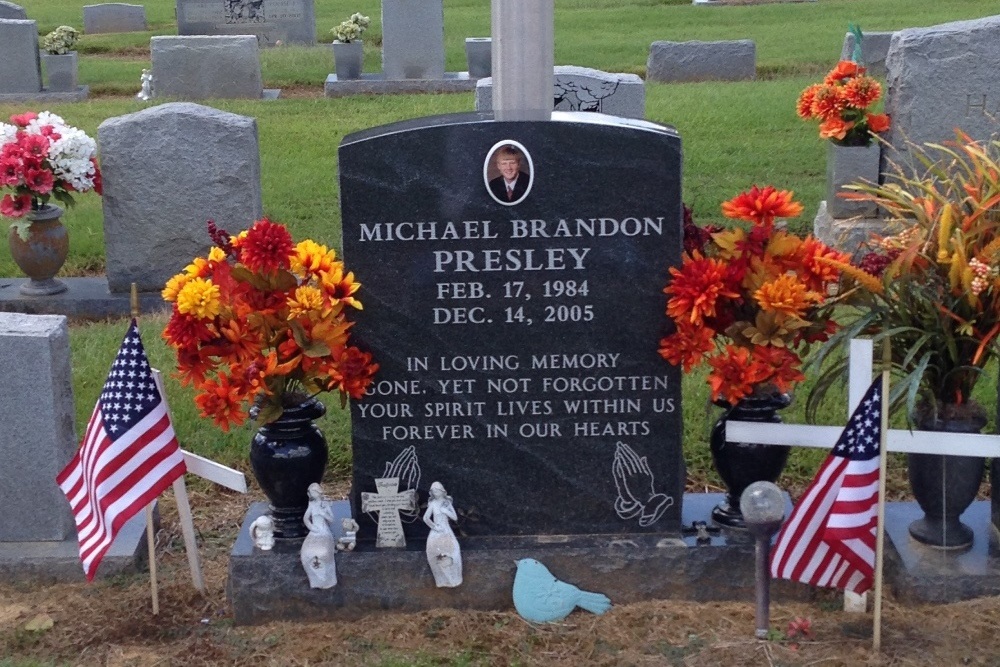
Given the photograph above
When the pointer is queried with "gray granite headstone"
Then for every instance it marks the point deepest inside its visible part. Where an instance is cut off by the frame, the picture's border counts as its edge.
(504, 368)
(21, 71)
(413, 39)
(113, 17)
(584, 89)
(874, 48)
(37, 436)
(8, 10)
(941, 78)
(272, 21)
(167, 171)
(206, 66)
(702, 61)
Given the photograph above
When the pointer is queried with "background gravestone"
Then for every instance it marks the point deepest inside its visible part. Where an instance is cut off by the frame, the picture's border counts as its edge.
(37, 437)
(113, 17)
(874, 48)
(167, 171)
(8, 10)
(505, 370)
(940, 78)
(21, 71)
(584, 89)
(204, 67)
(271, 21)
(413, 39)
(702, 61)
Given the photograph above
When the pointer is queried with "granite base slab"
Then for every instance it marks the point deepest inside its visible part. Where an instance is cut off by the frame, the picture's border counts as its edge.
(919, 573)
(51, 562)
(368, 84)
(78, 95)
(271, 585)
(847, 234)
(85, 298)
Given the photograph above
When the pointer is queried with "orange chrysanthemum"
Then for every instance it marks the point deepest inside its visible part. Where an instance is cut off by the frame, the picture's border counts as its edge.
(762, 205)
(734, 374)
(222, 401)
(185, 332)
(835, 128)
(687, 346)
(862, 91)
(816, 272)
(786, 295)
(696, 287)
(804, 106)
(828, 102)
(845, 69)
(877, 122)
(266, 248)
(782, 364)
(353, 372)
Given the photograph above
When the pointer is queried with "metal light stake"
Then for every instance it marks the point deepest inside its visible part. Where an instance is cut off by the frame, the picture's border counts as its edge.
(763, 508)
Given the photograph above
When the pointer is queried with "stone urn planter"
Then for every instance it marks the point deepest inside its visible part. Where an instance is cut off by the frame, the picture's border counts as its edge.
(846, 165)
(348, 59)
(39, 248)
(479, 54)
(61, 71)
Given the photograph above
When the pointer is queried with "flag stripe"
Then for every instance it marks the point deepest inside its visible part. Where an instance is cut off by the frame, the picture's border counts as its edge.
(829, 539)
(128, 456)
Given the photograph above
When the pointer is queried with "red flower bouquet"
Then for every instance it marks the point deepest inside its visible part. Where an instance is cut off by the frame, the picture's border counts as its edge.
(262, 319)
(748, 302)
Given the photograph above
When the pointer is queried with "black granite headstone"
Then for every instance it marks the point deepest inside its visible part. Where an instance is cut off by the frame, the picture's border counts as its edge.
(517, 333)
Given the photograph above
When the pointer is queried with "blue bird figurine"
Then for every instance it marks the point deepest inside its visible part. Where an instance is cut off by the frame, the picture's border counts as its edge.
(541, 598)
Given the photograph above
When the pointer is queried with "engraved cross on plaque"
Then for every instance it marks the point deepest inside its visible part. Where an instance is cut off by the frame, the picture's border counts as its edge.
(388, 502)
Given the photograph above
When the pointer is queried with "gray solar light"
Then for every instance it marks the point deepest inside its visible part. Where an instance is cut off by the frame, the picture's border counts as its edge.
(763, 508)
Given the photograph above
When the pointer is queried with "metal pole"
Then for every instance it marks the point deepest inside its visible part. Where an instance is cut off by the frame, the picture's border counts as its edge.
(523, 58)
(763, 615)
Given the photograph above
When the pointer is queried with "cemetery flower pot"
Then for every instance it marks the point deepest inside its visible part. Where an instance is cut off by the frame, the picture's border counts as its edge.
(287, 456)
(61, 71)
(846, 165)
(348, 59)
(740, 464)
(944, 486)
(479, 54)
(39, 248)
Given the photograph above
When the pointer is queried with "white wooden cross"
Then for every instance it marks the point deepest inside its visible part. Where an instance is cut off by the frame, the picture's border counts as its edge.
(898, 440)
(388, 502)
(214, 472)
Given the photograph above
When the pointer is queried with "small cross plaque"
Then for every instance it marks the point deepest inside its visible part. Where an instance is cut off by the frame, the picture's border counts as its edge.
(388, 502)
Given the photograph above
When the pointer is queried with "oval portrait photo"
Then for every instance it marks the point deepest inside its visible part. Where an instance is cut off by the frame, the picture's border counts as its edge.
(508, 172)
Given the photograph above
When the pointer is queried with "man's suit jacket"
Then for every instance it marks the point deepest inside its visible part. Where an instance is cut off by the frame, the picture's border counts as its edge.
(499, 188)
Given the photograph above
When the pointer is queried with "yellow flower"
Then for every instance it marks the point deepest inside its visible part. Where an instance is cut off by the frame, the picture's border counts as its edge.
(198, 268)
(200, 299)
(307, 299)
(216, 255)
(311, 257)
(786, 294)
(174, 286)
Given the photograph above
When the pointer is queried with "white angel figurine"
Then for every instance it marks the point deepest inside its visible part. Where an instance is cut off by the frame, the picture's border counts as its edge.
(443, 553)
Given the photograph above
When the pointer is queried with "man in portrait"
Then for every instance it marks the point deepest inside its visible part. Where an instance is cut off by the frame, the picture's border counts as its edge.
(512, 183)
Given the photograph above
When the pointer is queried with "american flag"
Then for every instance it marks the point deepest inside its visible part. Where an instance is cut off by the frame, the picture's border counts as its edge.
(829, 539)
(128, 456)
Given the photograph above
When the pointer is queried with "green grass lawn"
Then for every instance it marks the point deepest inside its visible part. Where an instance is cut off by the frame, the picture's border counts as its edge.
(734, 135)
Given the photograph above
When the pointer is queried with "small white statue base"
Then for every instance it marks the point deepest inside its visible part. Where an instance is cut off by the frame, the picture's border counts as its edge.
(349, 539)
(443, 553)
(319, 547)
(262, 532)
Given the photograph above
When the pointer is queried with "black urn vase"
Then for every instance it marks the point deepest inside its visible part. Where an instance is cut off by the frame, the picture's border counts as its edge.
(944, 486)
(287, 456)
(740, 464)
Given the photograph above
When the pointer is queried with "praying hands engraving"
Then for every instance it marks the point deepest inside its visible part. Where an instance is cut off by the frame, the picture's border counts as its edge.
(637, 496)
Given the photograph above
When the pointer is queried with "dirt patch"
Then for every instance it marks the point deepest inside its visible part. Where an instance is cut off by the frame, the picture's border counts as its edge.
(110, 623)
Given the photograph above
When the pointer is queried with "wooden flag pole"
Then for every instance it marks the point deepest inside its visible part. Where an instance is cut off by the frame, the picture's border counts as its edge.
(880, 529)
(150, 533)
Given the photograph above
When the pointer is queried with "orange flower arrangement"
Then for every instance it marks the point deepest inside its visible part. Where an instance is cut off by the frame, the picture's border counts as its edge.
(749, 301)
(262, 319)
(841, 104)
